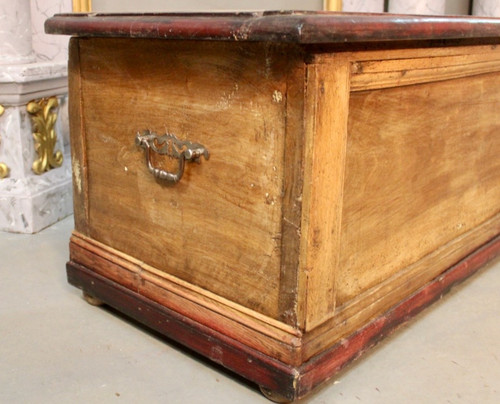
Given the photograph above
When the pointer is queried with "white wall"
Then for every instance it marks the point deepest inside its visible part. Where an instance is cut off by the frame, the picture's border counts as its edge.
(452, 6)
(487, 8)
(363, 6)
(200, 5)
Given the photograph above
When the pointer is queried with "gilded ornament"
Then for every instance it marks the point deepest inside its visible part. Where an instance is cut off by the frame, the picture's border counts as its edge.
(44, 134)
(82, 6)
(4, 170)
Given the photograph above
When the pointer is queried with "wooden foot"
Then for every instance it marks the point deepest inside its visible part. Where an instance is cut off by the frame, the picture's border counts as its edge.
(94, 301)
(273, 396)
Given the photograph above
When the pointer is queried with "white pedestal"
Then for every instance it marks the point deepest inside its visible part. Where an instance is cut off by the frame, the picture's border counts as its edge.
(29, 201)
(15, 32)
(32, 66)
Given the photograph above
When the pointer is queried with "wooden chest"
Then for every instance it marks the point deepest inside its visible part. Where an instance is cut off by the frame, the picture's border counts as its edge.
(277, 191)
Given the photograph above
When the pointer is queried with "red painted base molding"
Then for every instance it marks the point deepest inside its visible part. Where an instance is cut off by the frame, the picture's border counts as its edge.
(284, 380)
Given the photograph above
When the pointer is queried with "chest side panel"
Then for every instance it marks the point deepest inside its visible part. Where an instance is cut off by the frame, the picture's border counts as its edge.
(219, 227)
(421, 177)
(422, 173)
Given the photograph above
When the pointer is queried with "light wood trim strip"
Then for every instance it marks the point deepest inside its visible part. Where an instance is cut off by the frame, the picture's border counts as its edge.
(376, 74)
(213, 302)
(292, 194)
(357, 312)
(250, 331)
(327, 103)
(409, 53)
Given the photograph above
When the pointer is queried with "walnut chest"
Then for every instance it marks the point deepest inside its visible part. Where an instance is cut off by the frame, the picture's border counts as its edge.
(279, 190)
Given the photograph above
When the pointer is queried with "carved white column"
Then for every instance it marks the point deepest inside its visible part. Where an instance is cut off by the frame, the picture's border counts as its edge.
(486, 8)
(15, 32)
(32, 195)
(431, 7)
(363, 6)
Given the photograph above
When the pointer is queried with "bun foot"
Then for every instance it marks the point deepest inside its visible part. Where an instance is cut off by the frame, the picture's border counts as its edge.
(273, 396)
(94, 301)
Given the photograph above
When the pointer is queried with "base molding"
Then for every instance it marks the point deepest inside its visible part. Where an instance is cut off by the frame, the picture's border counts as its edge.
(210, 343)
(288, 381)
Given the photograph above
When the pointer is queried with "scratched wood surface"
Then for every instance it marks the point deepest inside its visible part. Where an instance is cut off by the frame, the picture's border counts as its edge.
(338, 184)
(272, 338)
(422, 180)
(220, 226)
(324, 161)
(422, 169)
(420, 67)
(77, 139)
(305, 27)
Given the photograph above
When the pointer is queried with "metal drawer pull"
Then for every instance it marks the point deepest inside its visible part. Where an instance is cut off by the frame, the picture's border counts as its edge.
(169, 145)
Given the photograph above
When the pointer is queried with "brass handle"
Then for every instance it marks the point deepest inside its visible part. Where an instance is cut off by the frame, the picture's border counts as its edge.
(169, 145)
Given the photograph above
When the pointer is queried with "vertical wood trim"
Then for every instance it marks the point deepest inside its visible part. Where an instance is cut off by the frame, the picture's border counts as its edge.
(77, 139)
(292, 191)
(327, 102)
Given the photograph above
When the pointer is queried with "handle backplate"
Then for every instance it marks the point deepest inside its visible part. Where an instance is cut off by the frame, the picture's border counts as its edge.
(169, 145)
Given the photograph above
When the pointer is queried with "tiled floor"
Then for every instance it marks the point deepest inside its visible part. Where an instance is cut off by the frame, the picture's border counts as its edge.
(55, 348)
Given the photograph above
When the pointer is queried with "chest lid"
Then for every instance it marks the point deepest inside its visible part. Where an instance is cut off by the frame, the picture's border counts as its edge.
(303, 27)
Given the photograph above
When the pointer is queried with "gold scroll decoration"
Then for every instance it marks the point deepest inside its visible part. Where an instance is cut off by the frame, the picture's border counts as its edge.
(4, 170)
(44, 120)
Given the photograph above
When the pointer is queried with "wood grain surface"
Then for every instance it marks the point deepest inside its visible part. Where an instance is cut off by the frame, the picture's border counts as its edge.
(341, 186)
(423, 68)
(77, 139)
(422, 170)
(326, 139)
(269, 336)
(220, 226)
(290, 382)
